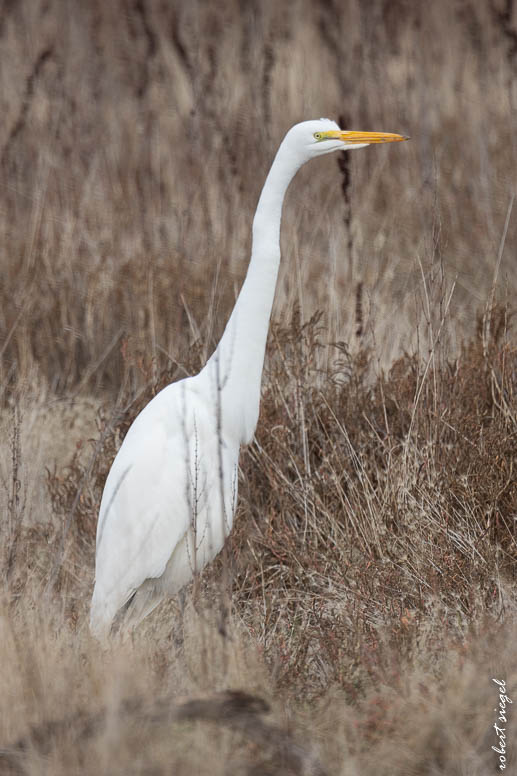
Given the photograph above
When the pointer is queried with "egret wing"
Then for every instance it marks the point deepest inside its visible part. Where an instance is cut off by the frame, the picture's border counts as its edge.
(145, 509)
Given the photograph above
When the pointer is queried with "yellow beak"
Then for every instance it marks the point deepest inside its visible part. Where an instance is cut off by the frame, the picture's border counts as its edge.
(363, 137)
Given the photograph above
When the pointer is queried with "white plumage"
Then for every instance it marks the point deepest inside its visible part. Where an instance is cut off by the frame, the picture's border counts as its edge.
(170, 495)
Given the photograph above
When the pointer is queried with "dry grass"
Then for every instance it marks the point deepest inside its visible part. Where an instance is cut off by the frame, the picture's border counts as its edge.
(371, 594)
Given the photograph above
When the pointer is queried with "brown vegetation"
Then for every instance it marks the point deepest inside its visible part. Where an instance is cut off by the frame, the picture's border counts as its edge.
(366, 597)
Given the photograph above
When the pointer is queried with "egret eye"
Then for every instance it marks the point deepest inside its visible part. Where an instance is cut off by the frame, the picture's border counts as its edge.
(318, 136)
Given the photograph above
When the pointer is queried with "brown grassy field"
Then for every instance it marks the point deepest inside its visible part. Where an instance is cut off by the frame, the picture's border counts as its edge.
(367, 596)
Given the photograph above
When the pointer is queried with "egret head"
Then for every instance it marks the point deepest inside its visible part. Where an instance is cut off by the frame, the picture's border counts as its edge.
(322, 136)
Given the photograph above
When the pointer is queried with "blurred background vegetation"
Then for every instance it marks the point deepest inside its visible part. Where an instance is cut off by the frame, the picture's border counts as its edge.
(135, 138)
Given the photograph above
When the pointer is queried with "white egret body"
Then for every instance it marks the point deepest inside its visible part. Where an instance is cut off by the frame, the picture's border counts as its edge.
(170, 495)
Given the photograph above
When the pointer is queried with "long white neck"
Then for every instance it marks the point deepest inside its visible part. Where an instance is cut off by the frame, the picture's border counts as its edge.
(235, 368)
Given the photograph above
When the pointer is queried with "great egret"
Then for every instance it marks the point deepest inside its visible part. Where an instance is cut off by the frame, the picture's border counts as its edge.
(170, 495)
